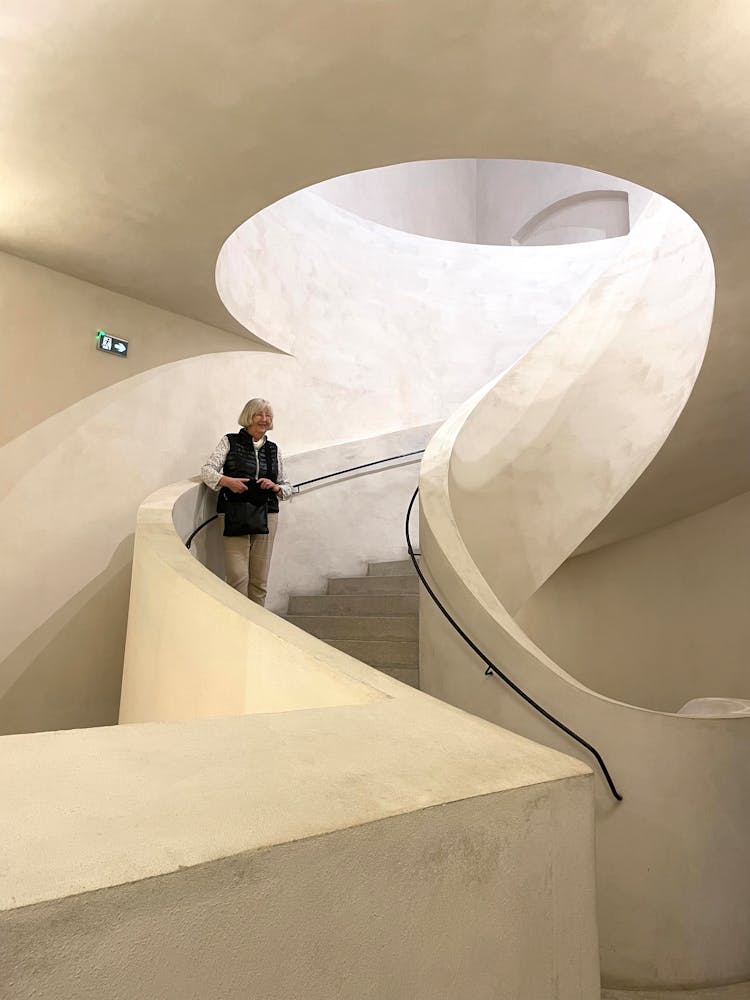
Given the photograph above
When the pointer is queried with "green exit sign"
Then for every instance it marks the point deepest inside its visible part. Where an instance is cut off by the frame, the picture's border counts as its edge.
(112, 345)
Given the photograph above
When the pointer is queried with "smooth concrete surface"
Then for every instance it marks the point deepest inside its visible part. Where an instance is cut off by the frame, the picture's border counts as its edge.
(716, 708)
(586, 409)
(658, 619)
(380, 641)
(104, 432)
(358, 627)
(740, 991)
(197, 649)
(433, 198)
(229, 831)
(313, 279)
(285, 855)
(334, 527)
(488, 201)
(539, 188)
(509, 487)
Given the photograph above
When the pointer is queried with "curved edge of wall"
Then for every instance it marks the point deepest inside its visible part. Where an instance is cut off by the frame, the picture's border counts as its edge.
(673, 858)
(222, 840)
(196, 648)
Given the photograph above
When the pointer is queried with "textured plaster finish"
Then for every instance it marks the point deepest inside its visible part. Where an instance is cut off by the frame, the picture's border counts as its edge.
(352, 377)
(136, 186)
(316, 280)
(368, 509)
(740, 991)
(179, 860)
(490, 892)
(509, 486)
(198, 649)
(584, 412)
(658, 619)
(481, 201)
(434, 198)
(534, 187)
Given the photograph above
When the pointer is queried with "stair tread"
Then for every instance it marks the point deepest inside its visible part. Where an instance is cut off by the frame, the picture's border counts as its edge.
(359, 627)
(380, 605)
(395, 567)
(396, 576)
(373, 585)
(368, 618)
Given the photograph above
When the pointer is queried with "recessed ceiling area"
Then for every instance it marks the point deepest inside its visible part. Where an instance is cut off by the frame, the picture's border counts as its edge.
(491, 202)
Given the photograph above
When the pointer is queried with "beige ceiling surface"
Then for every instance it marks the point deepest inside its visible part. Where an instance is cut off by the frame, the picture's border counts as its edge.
(136, 136)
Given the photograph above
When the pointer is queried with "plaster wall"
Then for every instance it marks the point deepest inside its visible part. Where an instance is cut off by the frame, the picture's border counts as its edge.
(333, 816)
(658, 619)
(285, 855)
(334, 528)
(509, 487)
(511, 192)
(435, 198)
(485, 201)
(585, 411)
(362, 308)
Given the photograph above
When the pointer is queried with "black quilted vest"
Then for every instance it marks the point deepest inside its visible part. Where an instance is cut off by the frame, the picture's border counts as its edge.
(241, 463)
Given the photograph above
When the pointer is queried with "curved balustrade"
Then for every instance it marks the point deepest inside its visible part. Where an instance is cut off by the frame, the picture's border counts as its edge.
(509, 487)
(342, 749)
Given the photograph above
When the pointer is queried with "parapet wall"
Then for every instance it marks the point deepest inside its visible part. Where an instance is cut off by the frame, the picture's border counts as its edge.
(351, 837)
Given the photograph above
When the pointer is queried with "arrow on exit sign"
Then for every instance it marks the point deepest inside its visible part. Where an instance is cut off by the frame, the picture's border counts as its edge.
(112, 345)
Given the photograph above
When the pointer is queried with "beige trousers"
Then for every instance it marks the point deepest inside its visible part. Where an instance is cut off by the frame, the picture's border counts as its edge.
(247, 559)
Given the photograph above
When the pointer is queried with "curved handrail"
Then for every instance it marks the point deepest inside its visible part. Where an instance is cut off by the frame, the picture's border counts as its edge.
(318, 479)
(492, 668)
(356, 468)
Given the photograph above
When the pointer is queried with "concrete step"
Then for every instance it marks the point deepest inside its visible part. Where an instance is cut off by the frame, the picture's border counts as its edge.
(357, 627)
(408, 675)
(373, 585)
(381, 605)
(376, 652)
(401, 567)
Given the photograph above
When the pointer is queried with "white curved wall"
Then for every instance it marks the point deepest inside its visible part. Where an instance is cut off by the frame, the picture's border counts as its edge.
(434, 198)
(482, 201)
(381, 342)
(509, 487)
(347, 766)
(632, 344)
(535, 186)
(591, 215)
(658, 619)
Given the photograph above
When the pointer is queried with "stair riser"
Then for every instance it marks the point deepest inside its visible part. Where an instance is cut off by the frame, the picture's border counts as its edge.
(351, 627)
(403, 567)
(383, 605)
(374, 585)
(380, 653)
(408, 675)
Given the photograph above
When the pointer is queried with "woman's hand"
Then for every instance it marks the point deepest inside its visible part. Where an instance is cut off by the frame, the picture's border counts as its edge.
(269, 484)
(233, 484)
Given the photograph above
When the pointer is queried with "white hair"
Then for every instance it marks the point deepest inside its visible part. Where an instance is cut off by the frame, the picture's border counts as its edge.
(251, 407)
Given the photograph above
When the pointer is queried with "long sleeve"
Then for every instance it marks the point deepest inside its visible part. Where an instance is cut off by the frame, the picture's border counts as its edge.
(211, 471)
(283, 482)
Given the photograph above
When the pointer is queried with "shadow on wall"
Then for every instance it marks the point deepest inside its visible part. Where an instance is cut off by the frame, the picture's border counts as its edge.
(69, 671)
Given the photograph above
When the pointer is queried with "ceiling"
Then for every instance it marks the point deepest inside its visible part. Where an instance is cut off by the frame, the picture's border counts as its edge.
(136, 136)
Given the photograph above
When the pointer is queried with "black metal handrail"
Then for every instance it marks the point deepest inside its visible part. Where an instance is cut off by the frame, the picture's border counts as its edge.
(493, 669)
(356, 468)
(318, 479)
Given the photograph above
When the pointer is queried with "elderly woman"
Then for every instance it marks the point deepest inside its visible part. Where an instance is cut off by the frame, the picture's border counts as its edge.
(247, 471)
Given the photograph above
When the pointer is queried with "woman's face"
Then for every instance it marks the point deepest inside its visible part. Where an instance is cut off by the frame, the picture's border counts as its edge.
(260, 423)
